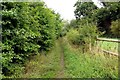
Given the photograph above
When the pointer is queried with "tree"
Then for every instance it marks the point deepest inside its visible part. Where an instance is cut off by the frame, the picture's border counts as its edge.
(106, 15)
(87, 11)
(84, 9)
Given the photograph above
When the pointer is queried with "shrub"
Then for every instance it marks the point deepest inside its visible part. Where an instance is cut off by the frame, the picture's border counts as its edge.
(85, 36)
(115, 28)
(26, 29)
(73, 36)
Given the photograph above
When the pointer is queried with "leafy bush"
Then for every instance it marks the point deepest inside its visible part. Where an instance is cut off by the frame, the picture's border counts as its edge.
(115, 28)
(85, 36)
(27, 28)
(88, 33)
(73, 36)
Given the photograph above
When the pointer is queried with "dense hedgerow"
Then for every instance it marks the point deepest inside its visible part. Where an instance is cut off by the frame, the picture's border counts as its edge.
(27, 28)
(85, 36)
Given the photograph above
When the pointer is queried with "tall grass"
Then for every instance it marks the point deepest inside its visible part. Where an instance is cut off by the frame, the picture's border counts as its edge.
(86, 65)
(77, 64)
(42, 65)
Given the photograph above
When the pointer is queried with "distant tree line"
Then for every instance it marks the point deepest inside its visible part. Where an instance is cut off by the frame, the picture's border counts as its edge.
(105, 18)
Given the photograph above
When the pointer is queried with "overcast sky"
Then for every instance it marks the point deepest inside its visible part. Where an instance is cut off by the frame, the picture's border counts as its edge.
(64, 7)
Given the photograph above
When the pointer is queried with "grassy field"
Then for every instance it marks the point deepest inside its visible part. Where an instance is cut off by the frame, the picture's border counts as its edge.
(110, 46)
(76, 64)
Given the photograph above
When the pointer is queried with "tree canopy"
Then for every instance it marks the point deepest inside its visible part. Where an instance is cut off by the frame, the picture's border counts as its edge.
(102, 16)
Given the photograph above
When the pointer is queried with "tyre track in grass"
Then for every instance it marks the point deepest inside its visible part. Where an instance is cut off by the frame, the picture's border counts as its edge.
(60, 73)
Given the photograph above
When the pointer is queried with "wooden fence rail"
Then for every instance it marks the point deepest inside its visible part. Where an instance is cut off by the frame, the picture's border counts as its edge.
(109, 40)
(109, 52)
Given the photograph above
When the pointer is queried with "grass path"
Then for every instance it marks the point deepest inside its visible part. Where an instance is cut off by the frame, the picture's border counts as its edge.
(64, 61)
(62, 65)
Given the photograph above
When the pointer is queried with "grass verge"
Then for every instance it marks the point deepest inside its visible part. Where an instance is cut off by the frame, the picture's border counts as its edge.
(44, 66)
(86, 65)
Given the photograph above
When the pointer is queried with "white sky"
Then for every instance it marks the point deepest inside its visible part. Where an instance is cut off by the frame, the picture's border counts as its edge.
(64, 7)
(98, 3)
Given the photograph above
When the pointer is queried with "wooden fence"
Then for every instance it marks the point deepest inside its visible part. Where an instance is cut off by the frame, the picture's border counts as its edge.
(108, 40)
(107, 51)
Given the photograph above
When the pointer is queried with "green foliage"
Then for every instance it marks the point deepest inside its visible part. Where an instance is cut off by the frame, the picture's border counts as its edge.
(101, 16)
(73, 36)
(79, 65)
(87, 37)
(106, 15)
(73, 24)
(103, 19)
(65, 28)
(84, 9)
(88, 32)
(59, 25)
(84, 36)
(43, 66)
(27, 28)
(115, 28)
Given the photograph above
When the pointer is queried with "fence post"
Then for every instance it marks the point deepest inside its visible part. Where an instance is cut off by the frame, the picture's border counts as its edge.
(106, 51)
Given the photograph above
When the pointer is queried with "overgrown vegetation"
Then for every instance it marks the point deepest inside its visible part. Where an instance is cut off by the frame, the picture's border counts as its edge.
(27, 28)
(30, 28)
(87, 65)
(43, 66)
(104, 16)
(115, 28)
(77, 64)
(84, 36)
